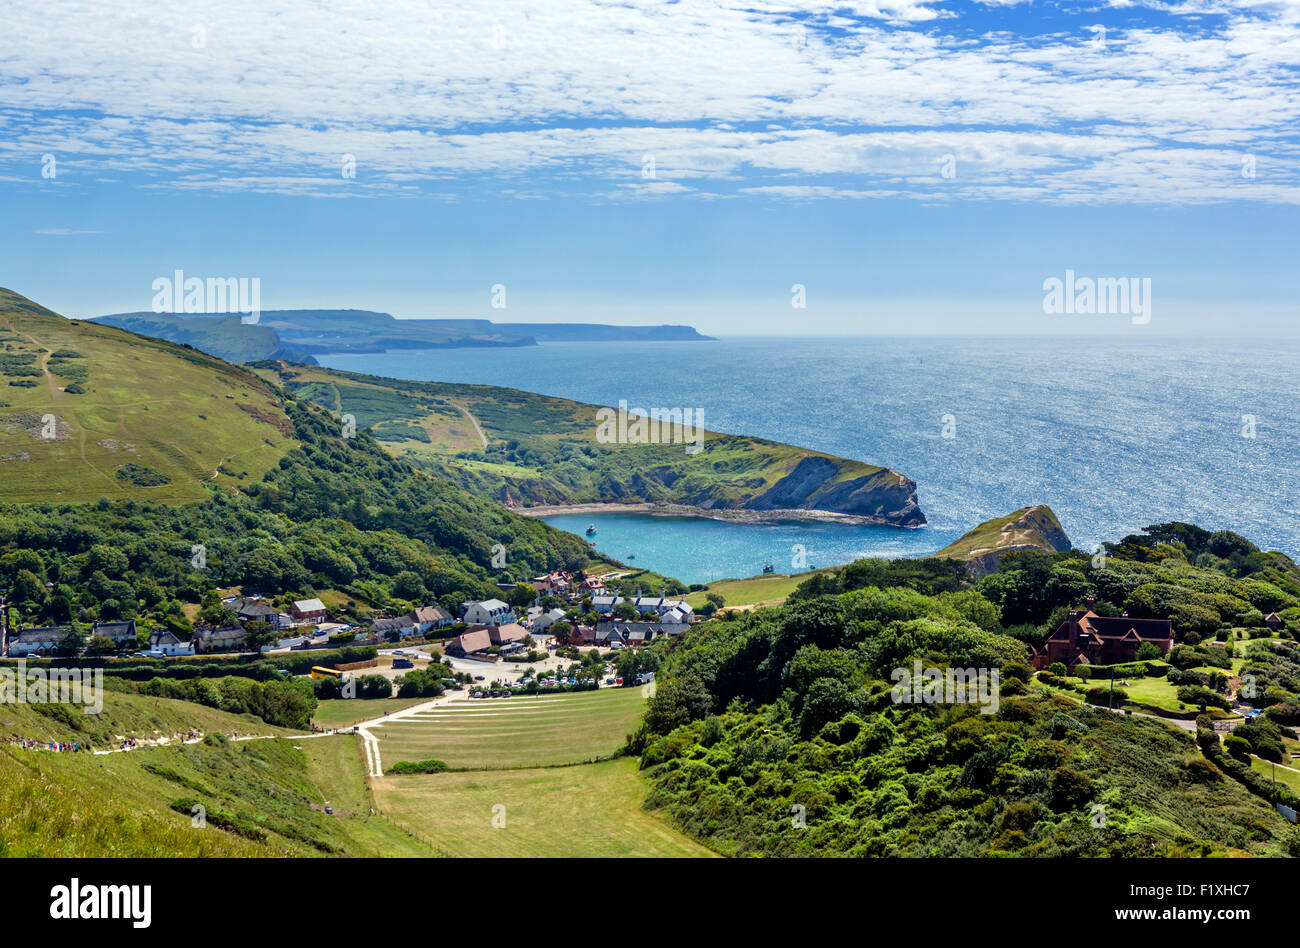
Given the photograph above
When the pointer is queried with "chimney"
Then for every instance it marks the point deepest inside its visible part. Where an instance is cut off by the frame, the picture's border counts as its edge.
(1090, 602)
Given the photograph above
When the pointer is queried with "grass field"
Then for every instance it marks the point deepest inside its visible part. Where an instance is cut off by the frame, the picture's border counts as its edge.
(591, 810)
(1279, 773)
(344, 712)
(334, 765)
(185, 418)
(771, 589)
(499, 734)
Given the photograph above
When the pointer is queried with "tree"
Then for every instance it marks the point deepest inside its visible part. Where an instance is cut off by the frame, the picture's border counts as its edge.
(70, 644)
(100, 645)
(522, 596)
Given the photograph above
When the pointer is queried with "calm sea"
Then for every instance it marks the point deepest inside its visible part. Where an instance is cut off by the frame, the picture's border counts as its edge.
(1112, 434)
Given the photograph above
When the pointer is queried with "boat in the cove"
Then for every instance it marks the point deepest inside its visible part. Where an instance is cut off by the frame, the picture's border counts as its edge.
(769, 568)
(591, 529)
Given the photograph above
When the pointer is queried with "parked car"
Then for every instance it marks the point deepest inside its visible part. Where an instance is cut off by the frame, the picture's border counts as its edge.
(609, 681)
(479, 678)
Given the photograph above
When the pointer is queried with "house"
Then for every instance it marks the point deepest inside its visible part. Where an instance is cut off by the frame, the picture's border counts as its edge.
(675, 616)
(547, 619)
(39, 641)
(557, 583)
(605, 603)
(1273, 621)
(166, 643)
(308, 610)
(661, 604)
(634, 633)
(404, 626)
(208, 639)
(468, 643)
(1087, 638)
(259, 610)
(509, 632)
(487, 612)
(123, 634)
(428, 618)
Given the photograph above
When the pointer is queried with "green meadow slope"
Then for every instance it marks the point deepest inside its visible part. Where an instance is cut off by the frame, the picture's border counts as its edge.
(527, 450)
(89, 411)
(1030, 528)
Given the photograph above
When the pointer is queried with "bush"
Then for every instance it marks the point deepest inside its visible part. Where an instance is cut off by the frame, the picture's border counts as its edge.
(418, 767)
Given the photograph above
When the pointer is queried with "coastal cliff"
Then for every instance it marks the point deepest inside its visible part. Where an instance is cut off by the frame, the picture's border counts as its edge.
(529, 451)
(1030, 528)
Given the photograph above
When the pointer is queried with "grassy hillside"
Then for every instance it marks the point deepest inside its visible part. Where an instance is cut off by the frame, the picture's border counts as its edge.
(588, 811)
(1030, 528)
(525, 450)
(89, 411)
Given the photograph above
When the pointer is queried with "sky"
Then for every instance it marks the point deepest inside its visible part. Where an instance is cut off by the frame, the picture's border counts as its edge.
(744, 167)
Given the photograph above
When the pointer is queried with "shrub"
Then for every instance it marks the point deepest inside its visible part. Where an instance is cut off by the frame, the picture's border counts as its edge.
(418, 767)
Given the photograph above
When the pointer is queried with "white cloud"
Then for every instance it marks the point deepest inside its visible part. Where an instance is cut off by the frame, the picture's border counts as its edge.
(847, 98)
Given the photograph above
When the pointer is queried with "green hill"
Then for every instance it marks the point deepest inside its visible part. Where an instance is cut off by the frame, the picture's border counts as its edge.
(1030, 528)
(166, 451)
(258, 797)
(526, 450)
(89, 411)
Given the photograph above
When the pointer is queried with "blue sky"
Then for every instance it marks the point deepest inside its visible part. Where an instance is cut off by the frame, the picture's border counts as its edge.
(917, 166)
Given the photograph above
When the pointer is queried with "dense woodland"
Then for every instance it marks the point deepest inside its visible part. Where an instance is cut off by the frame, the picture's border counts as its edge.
(774, 731)
(336, 514)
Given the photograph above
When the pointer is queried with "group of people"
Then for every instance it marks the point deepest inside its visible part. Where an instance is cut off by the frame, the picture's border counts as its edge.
(56, 746)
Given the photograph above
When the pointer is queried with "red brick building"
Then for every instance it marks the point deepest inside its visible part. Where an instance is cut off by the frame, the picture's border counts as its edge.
(1087, 638)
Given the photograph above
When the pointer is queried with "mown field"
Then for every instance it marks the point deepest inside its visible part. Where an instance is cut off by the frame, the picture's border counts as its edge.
(130, 418)
(500, 733)
(591, 810)
(344, 712)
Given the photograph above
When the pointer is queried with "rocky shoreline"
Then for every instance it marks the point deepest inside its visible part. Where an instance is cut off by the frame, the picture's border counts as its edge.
(731, 515)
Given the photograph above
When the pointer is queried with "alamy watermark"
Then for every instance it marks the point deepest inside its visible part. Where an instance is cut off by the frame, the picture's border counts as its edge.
(919, 685)
(1103, 296)
(214, 295)
(656, 426)
(83, 686)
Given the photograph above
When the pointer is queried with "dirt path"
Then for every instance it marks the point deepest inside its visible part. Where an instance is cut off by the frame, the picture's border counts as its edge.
(474, 421)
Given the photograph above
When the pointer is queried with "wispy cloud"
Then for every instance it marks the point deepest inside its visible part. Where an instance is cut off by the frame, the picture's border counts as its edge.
(1130, 100)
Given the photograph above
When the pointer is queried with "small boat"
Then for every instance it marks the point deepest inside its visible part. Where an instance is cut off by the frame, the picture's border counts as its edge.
(591, 529)
(631, 556)
(769, 568)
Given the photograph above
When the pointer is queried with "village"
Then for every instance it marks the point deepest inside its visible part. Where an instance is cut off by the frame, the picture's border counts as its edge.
(566, 611)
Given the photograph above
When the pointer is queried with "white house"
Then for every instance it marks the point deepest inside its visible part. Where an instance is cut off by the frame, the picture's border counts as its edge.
(426, 618)
(660, 605)
(166, 643)
(487, 612)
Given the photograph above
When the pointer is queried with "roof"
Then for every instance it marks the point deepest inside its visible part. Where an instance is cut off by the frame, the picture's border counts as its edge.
(1098, 627)
(114, 629)
(491, 605)
(383, 625)
(164, 637)
(429, 614)
(48, 633)
(256, 607)
(210, 633)
(309, 605)
(510, 632)
(474, 641)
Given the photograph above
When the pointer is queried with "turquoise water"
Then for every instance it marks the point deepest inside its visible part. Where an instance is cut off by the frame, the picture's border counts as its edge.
(1113, 433)
(696, 550)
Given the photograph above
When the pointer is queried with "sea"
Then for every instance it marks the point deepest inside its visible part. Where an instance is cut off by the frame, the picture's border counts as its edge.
(1113, 433)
